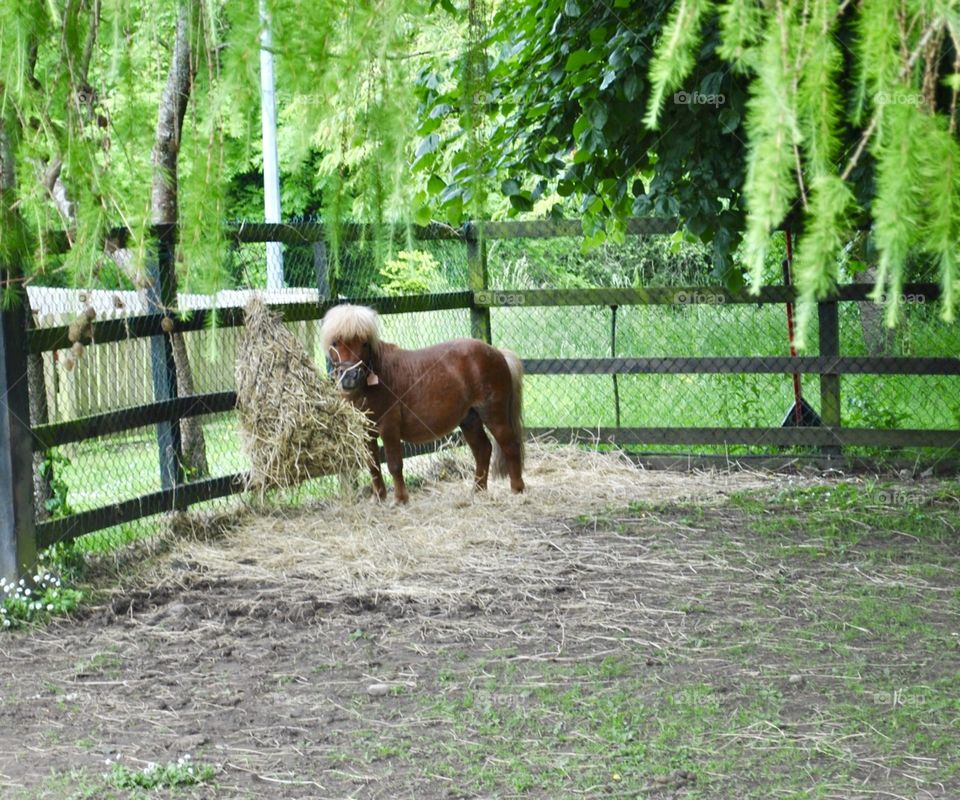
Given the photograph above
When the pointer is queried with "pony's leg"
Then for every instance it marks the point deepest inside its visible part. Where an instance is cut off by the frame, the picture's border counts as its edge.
(379, 488)
(393, 449)
(510, 445)
(473, 435)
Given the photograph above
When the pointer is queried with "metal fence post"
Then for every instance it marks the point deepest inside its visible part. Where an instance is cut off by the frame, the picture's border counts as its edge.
(18, 538)
(161, 295)
(613, 354)
(829, 383)
(477, 281)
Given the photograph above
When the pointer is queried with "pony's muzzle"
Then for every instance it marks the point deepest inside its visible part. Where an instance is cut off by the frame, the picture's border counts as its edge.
(350, 376)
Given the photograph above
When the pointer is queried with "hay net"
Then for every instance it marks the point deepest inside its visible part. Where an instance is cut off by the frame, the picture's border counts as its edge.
(294, 422)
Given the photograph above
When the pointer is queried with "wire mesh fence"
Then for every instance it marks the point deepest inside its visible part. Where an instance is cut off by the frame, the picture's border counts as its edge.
(688, 360)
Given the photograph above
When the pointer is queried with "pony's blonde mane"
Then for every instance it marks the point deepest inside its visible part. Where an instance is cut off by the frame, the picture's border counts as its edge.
(350, 322)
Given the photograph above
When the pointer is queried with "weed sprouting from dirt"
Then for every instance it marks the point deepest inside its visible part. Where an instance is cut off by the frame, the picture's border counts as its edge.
(182, 772)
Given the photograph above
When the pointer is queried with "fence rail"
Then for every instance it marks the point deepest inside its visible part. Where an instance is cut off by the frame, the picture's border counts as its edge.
(168, 410)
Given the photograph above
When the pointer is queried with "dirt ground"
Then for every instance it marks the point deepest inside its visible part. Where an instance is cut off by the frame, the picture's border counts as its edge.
(659, 640)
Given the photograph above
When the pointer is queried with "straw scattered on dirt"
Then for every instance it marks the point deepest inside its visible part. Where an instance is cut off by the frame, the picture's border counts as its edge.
(437, 547)
(294, 423)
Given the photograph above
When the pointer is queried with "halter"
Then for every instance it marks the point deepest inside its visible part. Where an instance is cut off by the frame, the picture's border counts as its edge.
(371, 375)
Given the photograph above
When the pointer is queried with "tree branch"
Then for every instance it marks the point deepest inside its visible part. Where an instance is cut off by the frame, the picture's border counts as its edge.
(173, 109)
(875, 120)
(90, 41)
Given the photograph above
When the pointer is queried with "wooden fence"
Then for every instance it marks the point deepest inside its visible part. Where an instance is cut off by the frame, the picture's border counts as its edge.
(117, 374)
(155, 401)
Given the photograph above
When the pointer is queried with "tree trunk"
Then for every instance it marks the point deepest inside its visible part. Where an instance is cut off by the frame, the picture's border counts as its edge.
(42, 481)
(164, 205)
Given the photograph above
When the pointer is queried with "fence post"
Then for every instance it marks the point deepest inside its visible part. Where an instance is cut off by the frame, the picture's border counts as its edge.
(613, 354)
(829, 383)
(477, 281)
(18, 537)
(326, 282)
(161, 295)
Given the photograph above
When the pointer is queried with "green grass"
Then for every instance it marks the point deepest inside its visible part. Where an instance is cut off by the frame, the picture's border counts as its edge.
(172, 781)
(835, 517)
(879, 654)
(612, 729)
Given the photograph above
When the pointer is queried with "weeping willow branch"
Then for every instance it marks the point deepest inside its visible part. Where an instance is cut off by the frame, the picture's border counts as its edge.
(953, 89)
(676, 54)
(875, 120)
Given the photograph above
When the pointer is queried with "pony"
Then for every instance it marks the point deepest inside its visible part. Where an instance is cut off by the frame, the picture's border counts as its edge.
(421, 395)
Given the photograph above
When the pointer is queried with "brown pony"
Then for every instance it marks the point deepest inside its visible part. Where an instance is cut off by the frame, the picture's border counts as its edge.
(421, 395)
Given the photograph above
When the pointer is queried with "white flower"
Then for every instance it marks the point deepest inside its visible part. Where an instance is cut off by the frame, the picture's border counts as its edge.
(26, 592)
(49, 606)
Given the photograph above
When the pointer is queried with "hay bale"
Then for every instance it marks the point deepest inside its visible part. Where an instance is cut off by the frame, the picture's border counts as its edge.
(294, 422)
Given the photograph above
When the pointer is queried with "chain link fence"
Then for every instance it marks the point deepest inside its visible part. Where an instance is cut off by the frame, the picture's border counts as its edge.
(699, 323)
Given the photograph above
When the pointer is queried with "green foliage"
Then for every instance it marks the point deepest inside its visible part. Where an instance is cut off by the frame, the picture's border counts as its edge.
(426, 110)
(818, 257)
(560, 124)
(888, 162)
(160, 776)
(639, 261)
(870, 410)
(917, 207)
(741, 26)
(818, 112)
(770, 186)
(85, 90)
(411, 272)
(49, 469)
(676, 56)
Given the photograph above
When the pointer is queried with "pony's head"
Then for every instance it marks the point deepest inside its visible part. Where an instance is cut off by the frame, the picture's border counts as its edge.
(351, 339)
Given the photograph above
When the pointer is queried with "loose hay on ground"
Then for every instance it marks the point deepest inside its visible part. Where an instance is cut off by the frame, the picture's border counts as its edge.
(448, 537)
(294, 422)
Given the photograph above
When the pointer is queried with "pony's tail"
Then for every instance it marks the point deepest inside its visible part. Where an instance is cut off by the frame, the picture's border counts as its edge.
(516, 413)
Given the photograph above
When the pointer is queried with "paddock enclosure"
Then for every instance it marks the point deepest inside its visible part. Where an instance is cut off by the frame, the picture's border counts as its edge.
(682, 374)
(695, 598)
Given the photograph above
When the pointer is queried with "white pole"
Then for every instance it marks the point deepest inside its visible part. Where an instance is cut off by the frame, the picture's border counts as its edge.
(271, 169)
